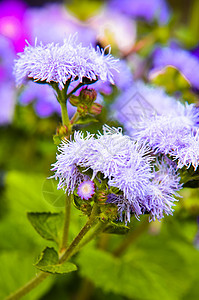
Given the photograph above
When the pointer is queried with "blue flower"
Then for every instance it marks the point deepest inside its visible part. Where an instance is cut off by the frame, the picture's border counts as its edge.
(55, 63)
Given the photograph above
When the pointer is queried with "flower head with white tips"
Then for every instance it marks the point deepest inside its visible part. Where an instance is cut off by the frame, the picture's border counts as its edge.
(59, 63)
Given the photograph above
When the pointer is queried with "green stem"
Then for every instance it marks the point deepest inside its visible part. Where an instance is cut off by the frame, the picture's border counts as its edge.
(69, 251)
(131, 237)
(67, 254)
(66, 222)
(28, 287)
(74, 118)
(64, 114)
(62, 99)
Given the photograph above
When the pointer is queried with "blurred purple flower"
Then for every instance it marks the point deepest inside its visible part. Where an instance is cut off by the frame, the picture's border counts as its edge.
(7, 103)
(12, 22)
(184, 61)
(142, 101)
(144, 9)
(45, 102)
(7, 56)
(40, 19)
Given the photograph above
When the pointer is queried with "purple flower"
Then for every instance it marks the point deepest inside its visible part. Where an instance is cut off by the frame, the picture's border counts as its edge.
(55, 63)
(181, 59)
(188, 153)
(164, 187)
(167, 125)
(72, 154)
(86, 189)
(148, 10)
(12, 22)
(128, 168)
(158, 198)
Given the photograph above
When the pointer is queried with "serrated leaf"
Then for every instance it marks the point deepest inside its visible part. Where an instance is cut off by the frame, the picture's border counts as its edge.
(86, 120)
(48, 225)
(116, 229)
(49, 262)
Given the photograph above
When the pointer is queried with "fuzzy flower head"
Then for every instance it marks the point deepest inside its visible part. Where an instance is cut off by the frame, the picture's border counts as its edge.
(123, 167)
(60, 63)
(86, 189)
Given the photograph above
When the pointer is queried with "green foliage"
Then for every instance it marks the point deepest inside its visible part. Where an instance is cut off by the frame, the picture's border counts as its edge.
(156, 267)
(19, 242)
(49, 262)
(48, 225)
(16, 270)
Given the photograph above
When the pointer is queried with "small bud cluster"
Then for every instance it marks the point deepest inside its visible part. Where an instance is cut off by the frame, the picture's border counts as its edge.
(85, 102)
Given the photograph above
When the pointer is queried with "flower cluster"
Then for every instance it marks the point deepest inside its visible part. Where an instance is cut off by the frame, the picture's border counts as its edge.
(165, 124)
(125, 166)
(60, 63)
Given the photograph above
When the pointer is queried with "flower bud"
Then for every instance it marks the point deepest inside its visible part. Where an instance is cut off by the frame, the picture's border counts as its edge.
(74, 100)
(96, 109)
(82, 110)
(87, 96)
(61, 132)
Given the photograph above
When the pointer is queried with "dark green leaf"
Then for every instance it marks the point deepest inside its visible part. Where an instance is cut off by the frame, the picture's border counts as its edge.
(48, 225)
(86, 120)
(117, 229)
(49, 262)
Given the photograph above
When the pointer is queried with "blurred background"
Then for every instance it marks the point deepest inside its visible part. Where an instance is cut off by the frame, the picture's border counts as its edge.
(157, 41)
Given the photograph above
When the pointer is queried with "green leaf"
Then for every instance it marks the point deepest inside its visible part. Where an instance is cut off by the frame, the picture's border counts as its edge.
(48, 225)
(49, 262)
(86, 120)
(115, 228)
(151, 265)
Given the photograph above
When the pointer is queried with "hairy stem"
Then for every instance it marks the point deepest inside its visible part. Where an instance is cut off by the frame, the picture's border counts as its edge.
(66, 222)
(33, 283)
(99, 227)
(69, 251)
